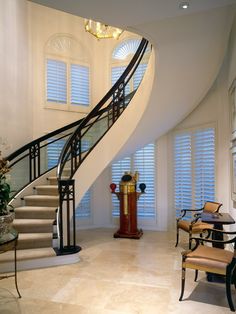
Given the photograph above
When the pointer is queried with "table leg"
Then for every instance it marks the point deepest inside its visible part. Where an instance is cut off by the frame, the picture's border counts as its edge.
(211, 277)
(15, 260)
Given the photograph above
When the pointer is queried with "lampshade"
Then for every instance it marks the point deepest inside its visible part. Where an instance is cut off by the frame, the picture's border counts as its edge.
(101, 31)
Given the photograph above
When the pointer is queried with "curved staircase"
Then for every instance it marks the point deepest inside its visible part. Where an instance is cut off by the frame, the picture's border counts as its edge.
(46, 227)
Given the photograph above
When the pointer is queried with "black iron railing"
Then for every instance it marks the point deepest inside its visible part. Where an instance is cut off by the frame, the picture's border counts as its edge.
(86, 136)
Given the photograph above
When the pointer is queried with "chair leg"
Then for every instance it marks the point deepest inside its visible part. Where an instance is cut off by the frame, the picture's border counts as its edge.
(190, 242)
(228, 289)
(196, 275)
(177, 237)
(182, 284)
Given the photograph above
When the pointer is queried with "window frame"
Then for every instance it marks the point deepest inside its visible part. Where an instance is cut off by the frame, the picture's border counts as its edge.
(67, 106)
(192, 130)
(131, 156)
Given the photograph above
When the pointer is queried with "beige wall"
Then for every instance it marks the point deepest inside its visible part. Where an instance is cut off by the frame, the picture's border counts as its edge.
(15, 108)
(45, 23)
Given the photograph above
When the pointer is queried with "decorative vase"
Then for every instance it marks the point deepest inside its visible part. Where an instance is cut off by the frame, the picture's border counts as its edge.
(6, 223)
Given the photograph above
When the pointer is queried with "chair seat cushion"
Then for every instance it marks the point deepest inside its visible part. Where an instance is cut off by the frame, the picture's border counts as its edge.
(208, 258)
(196, 228)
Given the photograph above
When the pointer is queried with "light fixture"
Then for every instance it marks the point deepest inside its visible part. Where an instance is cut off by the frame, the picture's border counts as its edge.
(101, 31)
(184, 5)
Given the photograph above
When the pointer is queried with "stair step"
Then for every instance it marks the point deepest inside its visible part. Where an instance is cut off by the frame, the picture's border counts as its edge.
(42, 200)
(33, 225)
(35, 212)
(35, 258)
(27, 254)
(53, 179)
(66, 172)
(34, 240)
(47, 189)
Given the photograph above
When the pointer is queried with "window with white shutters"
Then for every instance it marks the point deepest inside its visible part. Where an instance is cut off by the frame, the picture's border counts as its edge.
(120, 58)
(116, 72)
(138, 75)
(204, 166)
(79, 79)
(54, 149)
(56, 81)
(143, 161)
(194, 169)
(84, 208)
(67, 84)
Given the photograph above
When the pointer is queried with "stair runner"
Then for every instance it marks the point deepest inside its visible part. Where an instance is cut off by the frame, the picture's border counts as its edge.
(35, 222)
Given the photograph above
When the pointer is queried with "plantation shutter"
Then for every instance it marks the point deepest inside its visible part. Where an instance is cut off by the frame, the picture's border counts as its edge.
(183, 172)
(53, 152)
(138, 75)
(194, 174)
(116, 72)
(84, 208)
(204, 166)
(144, 163)
(118, 169)
(56, 81)
(79, 79)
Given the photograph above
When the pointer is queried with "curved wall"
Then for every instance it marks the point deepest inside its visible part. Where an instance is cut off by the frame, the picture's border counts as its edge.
(117, 136)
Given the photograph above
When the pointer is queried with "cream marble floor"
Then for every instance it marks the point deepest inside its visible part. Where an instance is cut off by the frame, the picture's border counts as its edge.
(115, 276)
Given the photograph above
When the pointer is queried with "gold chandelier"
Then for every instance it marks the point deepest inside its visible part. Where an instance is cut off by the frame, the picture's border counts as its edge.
(101, 31)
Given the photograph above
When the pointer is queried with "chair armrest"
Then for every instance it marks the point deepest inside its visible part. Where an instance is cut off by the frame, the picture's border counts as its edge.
(219, 231)
(191, 210)
(184, 211)
(200, 240)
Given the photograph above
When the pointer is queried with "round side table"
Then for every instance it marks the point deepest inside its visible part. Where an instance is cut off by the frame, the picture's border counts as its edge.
(8, 242)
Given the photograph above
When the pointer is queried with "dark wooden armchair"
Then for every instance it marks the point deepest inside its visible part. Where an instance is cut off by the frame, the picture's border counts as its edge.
(195, 226)
(212, 259)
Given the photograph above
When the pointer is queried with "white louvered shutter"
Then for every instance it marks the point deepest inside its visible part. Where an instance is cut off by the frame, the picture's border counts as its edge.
(118, 169)
(56, 81)
(182, 173)
(116, 72)
(138, 75)
(79, 80)
(144, 163)
(84, 208)
(53, 152)
(194, 173)
(204, 166)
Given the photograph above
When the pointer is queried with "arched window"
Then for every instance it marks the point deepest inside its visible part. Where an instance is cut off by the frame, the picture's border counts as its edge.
(67, 74)
(121, 56)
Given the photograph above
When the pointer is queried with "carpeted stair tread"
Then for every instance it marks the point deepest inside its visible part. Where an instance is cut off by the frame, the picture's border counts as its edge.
(41, 200)
(27, 254)
(53, 179)
(33, 225)
(47, 189)
(34, 240)
(35, 212)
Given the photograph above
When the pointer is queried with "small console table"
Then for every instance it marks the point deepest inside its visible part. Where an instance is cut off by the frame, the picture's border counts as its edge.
(8, 242)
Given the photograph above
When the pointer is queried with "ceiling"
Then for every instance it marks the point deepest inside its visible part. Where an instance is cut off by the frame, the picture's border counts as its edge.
(125, 13)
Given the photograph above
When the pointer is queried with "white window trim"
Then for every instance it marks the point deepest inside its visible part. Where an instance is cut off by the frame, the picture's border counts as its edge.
(192, 130)
(67, 106)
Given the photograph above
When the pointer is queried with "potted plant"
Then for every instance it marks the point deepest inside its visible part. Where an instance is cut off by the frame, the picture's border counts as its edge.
(6, 210)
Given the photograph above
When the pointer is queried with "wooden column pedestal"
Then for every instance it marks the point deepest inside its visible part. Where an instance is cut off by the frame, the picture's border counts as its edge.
(128, 216)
